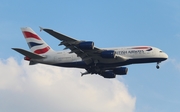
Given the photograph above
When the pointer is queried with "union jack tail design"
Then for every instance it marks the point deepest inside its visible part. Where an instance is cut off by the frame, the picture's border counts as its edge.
(35, 43)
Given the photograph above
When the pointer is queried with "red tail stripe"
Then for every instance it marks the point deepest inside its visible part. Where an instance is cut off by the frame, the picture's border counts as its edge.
(30, 35)
(41, 51)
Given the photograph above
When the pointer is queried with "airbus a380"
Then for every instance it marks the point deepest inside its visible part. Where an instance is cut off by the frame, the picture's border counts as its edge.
(107, 62)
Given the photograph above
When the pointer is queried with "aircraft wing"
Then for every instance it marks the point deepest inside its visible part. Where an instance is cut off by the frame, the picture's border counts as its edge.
(88, 56)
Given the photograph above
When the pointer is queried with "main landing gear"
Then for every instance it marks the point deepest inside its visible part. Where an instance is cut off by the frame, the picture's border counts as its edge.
(157, 66)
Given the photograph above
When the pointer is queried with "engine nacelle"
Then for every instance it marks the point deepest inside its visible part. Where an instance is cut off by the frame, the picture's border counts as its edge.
(108, 54)
(87, 45)
(121, 70)
(108, 74)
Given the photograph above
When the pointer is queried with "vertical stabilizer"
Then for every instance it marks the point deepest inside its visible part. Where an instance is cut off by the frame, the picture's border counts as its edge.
(35, 43)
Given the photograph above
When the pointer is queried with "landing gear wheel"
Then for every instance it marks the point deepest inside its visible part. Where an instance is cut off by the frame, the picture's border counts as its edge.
(157, 67)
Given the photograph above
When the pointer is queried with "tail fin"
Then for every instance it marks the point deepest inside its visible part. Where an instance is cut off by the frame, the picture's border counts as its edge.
(35, 43)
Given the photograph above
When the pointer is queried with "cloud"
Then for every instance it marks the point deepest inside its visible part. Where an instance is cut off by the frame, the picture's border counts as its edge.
(175, 63)
(25, 88)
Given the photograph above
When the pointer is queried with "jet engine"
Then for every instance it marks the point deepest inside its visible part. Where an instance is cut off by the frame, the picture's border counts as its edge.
(108, 74)
(108, 54)
(121, 70)
(87, 45)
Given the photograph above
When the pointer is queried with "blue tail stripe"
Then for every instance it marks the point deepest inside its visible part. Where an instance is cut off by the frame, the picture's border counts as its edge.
(32, 44)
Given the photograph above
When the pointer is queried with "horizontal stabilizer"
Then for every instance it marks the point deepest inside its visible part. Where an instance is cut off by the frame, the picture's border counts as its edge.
(27, 53)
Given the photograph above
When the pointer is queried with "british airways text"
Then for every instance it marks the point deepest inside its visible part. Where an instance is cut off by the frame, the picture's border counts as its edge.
(130, 52)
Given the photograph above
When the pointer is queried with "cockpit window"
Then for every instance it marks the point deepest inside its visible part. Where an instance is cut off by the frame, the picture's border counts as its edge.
(161, 51)
(149, 49)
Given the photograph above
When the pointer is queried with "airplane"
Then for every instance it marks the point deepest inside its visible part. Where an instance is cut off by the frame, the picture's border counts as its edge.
(106, 62)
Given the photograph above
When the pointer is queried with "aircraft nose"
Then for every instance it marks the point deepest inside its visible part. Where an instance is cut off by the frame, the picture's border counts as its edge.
(165, 56)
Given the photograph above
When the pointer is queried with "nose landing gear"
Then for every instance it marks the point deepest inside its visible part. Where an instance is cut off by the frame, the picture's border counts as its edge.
(157, 66)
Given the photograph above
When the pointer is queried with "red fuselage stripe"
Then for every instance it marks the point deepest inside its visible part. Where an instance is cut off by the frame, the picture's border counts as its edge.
(140, 47)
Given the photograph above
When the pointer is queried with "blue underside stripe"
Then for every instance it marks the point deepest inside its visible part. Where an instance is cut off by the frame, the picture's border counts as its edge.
(82, 64)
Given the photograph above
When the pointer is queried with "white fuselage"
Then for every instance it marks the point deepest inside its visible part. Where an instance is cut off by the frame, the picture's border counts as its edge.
(140, 55)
